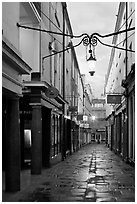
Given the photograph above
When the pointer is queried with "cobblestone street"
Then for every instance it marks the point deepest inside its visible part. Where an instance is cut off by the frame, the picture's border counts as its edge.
(93, 174)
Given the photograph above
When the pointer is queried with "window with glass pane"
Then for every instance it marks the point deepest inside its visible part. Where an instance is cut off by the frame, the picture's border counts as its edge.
(52, 135)
(56, 135)
(59, 133)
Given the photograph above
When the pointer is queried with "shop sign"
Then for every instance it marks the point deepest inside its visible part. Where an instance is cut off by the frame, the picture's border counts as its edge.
(73, 108)
(86, 125)
(80, 117)
(51, 92)
(81, 125)
(85, 117)
(98, 101)
(114, 99)
(100, 130)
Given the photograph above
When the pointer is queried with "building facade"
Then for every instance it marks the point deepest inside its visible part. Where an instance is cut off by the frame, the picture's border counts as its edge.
(42, 88)
(97, 120)
(13, 67)
(120, 84)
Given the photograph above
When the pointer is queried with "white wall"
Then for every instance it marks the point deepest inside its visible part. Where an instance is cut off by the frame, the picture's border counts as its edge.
(10, 16)
(29, 47)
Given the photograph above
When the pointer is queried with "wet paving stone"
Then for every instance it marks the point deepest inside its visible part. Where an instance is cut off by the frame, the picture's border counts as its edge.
(91, 181)
(90, 200)
(103, 195)
(100, 188)
(116, 193)
(40, 195)
(74, 199)
(91, 187)
(93, 174)
(125, 199)
(106, 200)
(90, 195)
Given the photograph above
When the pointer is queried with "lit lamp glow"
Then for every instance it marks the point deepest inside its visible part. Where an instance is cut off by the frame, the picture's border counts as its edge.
(85, 118)
(93, 117)
(91, 63)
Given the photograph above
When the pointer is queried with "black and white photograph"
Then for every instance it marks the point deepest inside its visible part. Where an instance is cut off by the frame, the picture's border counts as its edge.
(68, 101)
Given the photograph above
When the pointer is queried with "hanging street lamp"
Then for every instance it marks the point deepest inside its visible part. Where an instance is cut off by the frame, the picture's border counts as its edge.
(91, 63)
(91, 41)
(87, 40)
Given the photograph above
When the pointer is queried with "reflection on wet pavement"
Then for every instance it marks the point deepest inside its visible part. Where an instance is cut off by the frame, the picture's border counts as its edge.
(93, 174)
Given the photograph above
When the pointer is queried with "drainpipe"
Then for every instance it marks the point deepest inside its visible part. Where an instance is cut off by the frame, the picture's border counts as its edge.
(40, 56)
(64, 7)
(64, 129)
(127, 109)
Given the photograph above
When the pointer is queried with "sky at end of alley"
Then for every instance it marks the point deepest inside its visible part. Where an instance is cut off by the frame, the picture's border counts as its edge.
(90, 17)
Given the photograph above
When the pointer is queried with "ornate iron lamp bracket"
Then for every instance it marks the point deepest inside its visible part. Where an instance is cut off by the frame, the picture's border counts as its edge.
(90, 40)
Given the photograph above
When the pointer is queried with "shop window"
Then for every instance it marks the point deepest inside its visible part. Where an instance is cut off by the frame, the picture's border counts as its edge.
(124, 42)
(56, 135)
(27, 146)
(27, 138)
(52, 135)
(57, 20)
(59, 134)
(124, 60)
(130, 23)
(130, 54)
(130, 47)
(60, 73)
(53, 63)
(119, 54)
(99, 105)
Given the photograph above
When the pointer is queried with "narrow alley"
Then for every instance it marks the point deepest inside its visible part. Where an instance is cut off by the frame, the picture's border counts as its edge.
(68, 101)
(92, 174)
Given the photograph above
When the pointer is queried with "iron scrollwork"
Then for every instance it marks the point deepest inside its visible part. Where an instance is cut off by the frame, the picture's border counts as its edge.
(86, 40)
(92, 40)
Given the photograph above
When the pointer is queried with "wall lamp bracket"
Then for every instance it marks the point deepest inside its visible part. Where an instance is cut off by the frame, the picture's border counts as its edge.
(88, 40)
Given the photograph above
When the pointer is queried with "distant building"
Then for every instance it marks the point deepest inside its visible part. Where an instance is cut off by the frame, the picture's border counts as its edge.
(97, 119)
